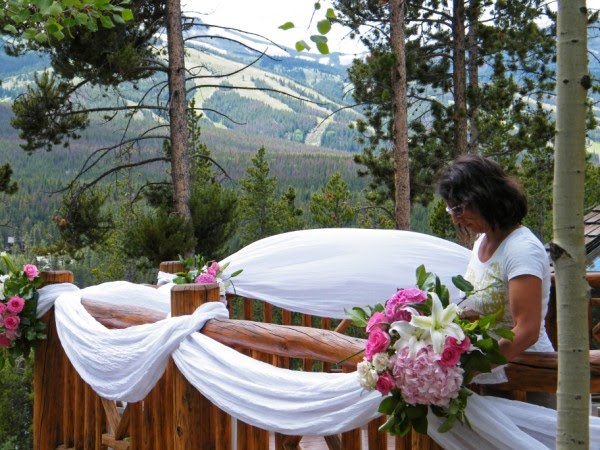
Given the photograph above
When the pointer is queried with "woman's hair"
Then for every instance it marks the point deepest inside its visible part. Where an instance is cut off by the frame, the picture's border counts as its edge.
(481, 184)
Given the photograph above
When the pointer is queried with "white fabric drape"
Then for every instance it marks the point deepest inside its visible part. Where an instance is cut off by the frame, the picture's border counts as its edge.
(318, 272)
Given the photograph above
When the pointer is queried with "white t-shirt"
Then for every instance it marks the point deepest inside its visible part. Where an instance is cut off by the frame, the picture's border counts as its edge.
(521, 253)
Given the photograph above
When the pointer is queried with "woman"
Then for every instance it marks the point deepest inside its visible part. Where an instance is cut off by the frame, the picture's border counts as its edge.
(509, 267)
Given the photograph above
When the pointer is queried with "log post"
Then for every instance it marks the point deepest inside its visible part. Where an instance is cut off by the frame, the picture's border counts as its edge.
(191, 411)
(47, 377)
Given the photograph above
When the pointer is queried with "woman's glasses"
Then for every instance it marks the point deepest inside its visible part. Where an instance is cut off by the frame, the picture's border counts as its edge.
(456, 211)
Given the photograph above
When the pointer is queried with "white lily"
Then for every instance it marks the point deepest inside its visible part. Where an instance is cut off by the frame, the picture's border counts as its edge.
(440, 323)
(410, 336)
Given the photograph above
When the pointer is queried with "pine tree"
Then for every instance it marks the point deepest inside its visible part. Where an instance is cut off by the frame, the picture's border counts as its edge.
(331, 207)
(258, 206)
(289, 215)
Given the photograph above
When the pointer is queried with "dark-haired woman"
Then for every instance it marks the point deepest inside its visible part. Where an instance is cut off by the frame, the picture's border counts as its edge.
(509, 267)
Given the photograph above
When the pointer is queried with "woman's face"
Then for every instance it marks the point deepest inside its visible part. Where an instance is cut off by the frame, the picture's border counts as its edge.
(469, 218)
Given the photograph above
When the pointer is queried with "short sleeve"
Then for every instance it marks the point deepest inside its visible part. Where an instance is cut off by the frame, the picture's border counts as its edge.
(526, 256)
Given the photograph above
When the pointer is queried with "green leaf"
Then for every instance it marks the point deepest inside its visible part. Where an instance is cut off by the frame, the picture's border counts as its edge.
(118, 19)
(302, 45)
(58, 35)
(505, 333)
(287, 26)
(106, 22)
(317, 38)
(330, 14)
(323, 48)
(317, 6)
(416, 411)
(388, 405)
(462, 284)
(358, 316)
(54, 10)
(324, 26)
(389, 423)
(421, 275)
(236, 273)
(92, 25)
(420, 424)
(41, 37)
(10, 29)
(127, 15)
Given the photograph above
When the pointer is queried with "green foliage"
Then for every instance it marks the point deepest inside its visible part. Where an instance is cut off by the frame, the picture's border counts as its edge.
(258, 212)
(6, 184)
(289, 215)
(45, 115)
(331, 207)
(46, 21)
(83, 221)
(158, 236)
(214, 219)
(16, 406)
(441, 222)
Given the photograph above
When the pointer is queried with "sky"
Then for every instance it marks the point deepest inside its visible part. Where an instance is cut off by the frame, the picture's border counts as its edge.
(265, 16)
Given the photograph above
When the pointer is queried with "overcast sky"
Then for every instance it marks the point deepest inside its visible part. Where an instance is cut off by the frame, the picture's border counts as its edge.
(265, 16)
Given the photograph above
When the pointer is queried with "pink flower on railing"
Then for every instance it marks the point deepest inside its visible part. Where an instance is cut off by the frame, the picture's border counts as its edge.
(31, 271)
(214, 269)
(205, 278)
(378, 341)
(423, 380)
(15, 305)
(2, 308)
(4, 341)
(395, 306)
(11, 322)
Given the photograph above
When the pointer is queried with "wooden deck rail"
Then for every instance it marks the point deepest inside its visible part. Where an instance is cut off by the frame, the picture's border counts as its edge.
(69, 415)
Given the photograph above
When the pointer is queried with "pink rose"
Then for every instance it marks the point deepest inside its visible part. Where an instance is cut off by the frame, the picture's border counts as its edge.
(2, 308)
(385, 383)
(377, 342)
(4, 341)
(378, 320)
(402, 298)
(15, 305)
(11, 322)
(205, 278)
(450, 356)
(30, 271)
(211, 271)
(463, 345)
(12, 334)
(215, 266)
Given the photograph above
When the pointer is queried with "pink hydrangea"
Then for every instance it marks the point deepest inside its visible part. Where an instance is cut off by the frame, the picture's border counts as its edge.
(2, 308)
(404, 297)
(30, 271)
(15, 305)
(423, 380)
(378, 341)
(385, 383)
(205, 278)
(11, 322)
(378, 320)
(4, 341)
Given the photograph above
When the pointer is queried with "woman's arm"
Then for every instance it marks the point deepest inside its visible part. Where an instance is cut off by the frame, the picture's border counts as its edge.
(525, 299)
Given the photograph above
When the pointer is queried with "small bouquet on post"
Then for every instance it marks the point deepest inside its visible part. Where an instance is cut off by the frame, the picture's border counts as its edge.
(19, 326)
(199, 270)
(421, 355)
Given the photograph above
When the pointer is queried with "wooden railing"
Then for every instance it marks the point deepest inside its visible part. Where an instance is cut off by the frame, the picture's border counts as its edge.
(68, 414)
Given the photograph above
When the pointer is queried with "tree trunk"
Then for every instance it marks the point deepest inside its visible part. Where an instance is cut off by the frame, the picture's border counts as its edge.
(400, 116)
(473, 71)
(568, 249)
(180, 172)
(459, 115)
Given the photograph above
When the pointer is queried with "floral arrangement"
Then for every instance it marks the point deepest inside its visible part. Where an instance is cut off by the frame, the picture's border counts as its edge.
(19, 326)
(198, 270)
(420, 354)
